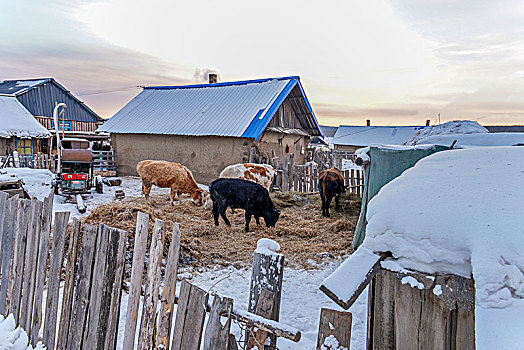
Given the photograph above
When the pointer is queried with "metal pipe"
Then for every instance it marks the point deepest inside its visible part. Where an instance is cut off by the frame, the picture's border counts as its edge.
(58, 143)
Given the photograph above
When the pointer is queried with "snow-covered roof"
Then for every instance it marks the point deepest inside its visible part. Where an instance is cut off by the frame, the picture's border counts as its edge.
(459, 212)
(450, 128)
(369, 135)
(18, 87)
(16, 121)
(238, 109)
(465, 140)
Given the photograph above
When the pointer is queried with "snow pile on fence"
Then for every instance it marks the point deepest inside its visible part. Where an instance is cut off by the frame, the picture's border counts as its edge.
(12, 337)
(460, 212)
(449, 128)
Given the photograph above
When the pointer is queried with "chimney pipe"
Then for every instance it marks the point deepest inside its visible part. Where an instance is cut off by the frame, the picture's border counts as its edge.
(212, 78)
(427, 122)
(368, 122)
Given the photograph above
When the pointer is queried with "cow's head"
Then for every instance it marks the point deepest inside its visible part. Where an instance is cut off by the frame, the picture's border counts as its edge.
(208, 202)
(272, 217)
(197, 197)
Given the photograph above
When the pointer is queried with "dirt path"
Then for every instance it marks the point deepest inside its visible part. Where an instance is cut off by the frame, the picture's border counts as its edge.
(301, 230)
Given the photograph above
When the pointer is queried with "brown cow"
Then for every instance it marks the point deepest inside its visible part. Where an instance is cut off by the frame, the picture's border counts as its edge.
(168, 175)
(331, 184)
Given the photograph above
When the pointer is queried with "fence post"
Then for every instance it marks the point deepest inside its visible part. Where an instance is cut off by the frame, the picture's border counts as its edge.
(8, 238)
(335, 328)
(268, 272)
(53, 284)
(147, 324)
(168, 292)
(216, 336)
(137, 270)
(285, 175)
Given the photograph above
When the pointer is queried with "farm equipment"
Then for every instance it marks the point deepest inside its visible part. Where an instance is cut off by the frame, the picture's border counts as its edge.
(74, 176)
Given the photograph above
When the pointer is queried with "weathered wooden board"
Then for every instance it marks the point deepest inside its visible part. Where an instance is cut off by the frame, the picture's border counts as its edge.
(169, 291)
(28, 289)
(43, 250)
(3, 208)
(268, 273)
(116, 293)
(137, 270)
(147, 324)
(190, 317)
(216, 336)
(53, 282)
(264, 309)
(67, 300)
(335, 326)
(22, 222)
(232, 342)
(95, 297)
(81, 291)
(8, 233)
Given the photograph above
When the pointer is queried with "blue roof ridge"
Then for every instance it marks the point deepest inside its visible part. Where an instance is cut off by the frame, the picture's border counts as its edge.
(230, 83)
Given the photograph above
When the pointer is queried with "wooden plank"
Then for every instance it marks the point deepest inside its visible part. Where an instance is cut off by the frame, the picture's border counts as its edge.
(116, 294)
(264, 309)
(53, 283)
(267, 273)
(95, 297)
(216, 336)
(3, 208)
(43, 250)
(67, 300)
(10, 218)
(28, 289)
(22, 221)
(190, 317)
(147, 324)
(232, 343)
(81, 291)
(169, 291)
(335, 329)
(137, 270)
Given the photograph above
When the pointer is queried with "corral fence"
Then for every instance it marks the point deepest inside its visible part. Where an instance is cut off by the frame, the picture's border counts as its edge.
(304, 177)
(35, 257)
(103, 161)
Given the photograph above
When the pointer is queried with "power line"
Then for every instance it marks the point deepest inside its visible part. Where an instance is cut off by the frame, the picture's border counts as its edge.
(106, 91)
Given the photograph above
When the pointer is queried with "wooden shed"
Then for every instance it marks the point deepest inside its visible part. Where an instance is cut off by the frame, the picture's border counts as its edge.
(207, 127)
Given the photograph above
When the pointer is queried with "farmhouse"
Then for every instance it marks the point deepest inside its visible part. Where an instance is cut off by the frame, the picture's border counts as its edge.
(210, 126)
(18, 129)
(351, 138)
(39, 97)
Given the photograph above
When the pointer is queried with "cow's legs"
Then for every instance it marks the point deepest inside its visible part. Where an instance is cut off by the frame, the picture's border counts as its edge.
(248, 219)
(146, 188)
(328, 203)
(257, 219)
(222, 211)
(337, 203)
(215, 212)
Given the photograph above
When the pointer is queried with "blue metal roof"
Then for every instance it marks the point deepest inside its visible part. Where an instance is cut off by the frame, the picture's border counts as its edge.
(238, 109)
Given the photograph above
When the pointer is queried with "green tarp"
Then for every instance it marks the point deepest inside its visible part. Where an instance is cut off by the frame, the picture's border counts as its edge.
(385, 164)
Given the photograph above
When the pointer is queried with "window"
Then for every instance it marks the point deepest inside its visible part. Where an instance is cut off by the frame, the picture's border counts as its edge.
(61, 124)
(24, 146)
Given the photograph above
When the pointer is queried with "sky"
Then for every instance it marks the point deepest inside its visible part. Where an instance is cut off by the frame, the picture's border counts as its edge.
(396, 62)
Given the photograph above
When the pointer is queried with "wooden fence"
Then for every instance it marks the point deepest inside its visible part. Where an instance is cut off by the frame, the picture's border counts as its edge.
(35, 161)
(104, 161)
(92, 268)
(304, 178)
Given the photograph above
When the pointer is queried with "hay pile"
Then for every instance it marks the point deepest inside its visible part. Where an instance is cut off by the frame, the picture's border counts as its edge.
(301, 230)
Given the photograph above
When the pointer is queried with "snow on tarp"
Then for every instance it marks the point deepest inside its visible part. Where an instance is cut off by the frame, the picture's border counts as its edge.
(465, 140)
(449, 128)
(16, 121)
(12, 337)
(461, 212)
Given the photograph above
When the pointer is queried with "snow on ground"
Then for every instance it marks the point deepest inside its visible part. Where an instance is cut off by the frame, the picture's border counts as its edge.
(461, 214)
(469, 140)
(12, 337)
(453, 127)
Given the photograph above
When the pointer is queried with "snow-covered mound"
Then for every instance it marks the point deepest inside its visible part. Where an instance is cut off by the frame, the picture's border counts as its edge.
(480, 139)
(37, 182)
(12, 337)
(449, 128)
(460, 212)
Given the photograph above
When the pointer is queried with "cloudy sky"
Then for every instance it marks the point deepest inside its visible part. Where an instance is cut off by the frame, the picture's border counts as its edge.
(396, 62)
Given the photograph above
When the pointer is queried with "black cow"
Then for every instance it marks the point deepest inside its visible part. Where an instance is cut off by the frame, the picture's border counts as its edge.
(331, 184)
(243, 194)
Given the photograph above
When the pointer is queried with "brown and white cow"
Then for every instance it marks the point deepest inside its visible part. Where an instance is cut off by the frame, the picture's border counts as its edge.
(261, 174)
(168, 175)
